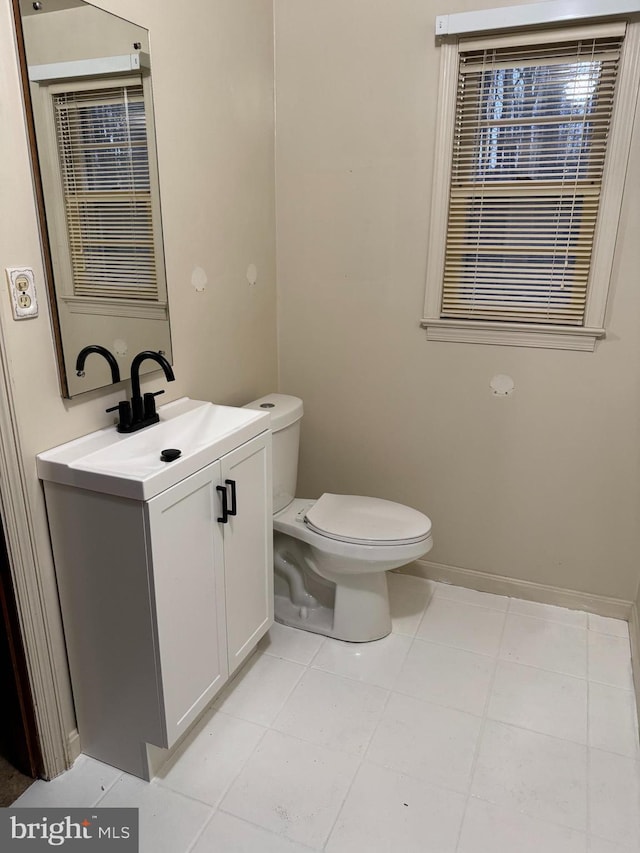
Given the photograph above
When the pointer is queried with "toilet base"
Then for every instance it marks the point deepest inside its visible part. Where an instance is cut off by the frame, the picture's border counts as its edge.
(360, 614)
(318, 620)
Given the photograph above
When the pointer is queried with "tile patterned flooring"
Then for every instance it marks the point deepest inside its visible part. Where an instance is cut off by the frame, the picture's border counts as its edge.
(482, 724)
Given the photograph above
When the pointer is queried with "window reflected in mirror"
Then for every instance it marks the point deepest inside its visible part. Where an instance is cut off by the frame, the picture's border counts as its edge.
(88, 74)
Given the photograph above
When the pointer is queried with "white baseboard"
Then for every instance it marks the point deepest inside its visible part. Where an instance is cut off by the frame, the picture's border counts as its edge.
(515, 588)
(634, 637)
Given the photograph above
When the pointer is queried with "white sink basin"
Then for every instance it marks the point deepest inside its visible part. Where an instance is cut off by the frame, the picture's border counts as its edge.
(130, 465)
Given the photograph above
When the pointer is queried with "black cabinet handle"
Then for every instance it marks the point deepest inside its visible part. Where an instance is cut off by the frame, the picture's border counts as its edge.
(225, 510)
(234, 504)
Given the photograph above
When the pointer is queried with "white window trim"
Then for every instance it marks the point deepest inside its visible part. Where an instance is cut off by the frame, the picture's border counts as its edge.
(532, 15)
(532, 335)
(122, 64)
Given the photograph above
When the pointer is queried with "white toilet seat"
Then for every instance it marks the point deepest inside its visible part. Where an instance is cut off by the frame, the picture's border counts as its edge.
(366, 521)
(291, 520)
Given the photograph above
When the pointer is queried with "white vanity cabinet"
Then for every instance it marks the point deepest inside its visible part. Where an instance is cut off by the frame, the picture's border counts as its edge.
(207, 622)
(162, 599)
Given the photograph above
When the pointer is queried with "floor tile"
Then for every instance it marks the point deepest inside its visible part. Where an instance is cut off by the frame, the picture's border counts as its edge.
(471, 596)
(463, 626)
(493, 829)
(376, 663)
(292, 788)
(228, 834)
(408, 597)
(542, 776)
(169, 822)
(386, 811)
(259, 691)
(534, 781)
(291, 644)
(81, 786)
(607, 625)
(610, 660)
(212, 758)
(613, 724)
(446, 676)
(614, 798)
(548, 645)
(546, 702)
(429, 742)
(576, 618)
(332, 711)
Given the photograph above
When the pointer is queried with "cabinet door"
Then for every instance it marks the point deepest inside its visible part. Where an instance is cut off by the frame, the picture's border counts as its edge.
(248, 547)
(187, 593)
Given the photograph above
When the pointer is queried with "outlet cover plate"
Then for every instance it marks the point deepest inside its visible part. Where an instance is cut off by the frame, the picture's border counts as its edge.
(22, 289)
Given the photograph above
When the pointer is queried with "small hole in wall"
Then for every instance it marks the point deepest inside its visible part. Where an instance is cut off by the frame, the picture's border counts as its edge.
(502, 385)
(199, 279)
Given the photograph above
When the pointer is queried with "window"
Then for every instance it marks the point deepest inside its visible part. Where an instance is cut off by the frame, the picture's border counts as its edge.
(102, 198)
(104, 167)
(537, 152)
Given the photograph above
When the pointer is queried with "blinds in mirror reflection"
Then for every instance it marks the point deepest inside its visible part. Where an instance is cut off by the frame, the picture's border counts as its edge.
(104, 162)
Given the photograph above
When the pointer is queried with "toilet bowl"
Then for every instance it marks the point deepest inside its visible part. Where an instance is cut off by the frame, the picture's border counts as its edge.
(331, 555)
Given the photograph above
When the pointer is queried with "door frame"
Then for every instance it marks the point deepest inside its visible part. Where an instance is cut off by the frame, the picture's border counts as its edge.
(29, 594)
(38, 618)
(20, 742)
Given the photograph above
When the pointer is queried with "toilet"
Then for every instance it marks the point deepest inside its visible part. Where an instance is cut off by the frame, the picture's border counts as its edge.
(331, 554)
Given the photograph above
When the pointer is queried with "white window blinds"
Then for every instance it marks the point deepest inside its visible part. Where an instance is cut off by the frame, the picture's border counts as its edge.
(530, 139)
(104, 163)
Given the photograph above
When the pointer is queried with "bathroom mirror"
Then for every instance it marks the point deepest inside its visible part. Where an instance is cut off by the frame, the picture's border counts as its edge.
(87, 83)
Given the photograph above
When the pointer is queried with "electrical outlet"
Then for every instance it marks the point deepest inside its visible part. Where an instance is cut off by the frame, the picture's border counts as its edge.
(22, 288)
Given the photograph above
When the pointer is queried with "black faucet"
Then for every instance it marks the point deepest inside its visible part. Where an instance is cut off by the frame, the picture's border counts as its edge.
(104, 352)
(141, 411)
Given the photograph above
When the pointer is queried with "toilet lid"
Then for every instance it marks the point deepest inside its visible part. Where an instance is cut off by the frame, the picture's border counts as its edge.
(367, 520)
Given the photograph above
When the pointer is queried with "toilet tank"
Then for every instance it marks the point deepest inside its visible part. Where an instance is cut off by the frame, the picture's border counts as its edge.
(285, 412)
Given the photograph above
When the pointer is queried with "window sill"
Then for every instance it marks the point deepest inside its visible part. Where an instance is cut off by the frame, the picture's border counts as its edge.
(512, 334)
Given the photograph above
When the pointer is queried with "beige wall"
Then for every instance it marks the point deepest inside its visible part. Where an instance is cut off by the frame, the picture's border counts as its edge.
(543, 485)
(213, 81)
